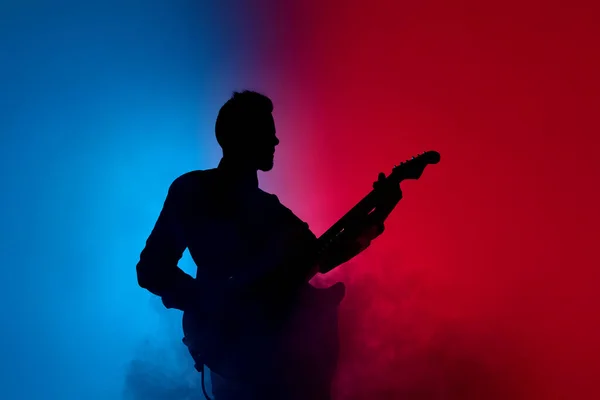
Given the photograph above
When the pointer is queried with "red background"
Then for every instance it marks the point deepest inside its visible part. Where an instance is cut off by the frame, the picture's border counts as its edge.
(484, 284)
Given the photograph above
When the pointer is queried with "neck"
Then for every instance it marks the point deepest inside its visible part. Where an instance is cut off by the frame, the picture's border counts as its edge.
(238, 172)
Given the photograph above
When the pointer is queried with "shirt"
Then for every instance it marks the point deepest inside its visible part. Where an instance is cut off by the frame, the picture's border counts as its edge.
(230, 226)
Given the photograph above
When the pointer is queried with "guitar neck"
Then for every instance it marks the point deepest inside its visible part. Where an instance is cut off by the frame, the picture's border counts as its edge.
(355, 220)
(352, 218)
(410, 169)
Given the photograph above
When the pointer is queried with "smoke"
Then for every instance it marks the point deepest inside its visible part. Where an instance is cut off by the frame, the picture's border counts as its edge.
(162, 368)
(396, 346)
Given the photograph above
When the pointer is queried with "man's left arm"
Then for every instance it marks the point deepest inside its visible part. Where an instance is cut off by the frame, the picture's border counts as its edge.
(157, 269)
(349, 246)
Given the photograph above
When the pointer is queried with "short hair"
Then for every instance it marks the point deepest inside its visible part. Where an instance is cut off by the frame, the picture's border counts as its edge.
(240, 111)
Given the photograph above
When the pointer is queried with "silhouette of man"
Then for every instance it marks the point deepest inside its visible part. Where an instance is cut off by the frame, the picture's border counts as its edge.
(234, 232)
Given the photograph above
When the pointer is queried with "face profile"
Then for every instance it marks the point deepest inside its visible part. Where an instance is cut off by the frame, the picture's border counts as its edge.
(263, 140)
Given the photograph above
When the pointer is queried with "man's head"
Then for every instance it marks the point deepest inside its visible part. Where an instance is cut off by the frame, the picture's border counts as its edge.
(245, 130)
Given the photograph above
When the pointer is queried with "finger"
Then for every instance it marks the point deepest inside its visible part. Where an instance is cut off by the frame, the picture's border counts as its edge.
(380, 180)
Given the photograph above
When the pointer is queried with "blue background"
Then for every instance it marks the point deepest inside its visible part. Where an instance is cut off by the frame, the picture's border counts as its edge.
(102, 105)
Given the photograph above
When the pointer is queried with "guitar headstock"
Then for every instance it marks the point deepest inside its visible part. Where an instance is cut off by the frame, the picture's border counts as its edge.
(414, 167)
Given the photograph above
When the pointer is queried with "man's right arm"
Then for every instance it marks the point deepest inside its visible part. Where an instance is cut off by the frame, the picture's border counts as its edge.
(157, 269)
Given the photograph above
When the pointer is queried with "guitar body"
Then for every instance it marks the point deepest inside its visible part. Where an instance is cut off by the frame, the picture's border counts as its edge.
(255, 340)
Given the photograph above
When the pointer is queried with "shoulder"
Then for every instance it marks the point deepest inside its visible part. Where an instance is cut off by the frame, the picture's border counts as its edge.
(189, 187)
(192, 180)
(286, 214)
(272, 200)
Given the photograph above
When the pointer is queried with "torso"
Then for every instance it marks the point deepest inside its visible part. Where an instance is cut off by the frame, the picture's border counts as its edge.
(225, 230)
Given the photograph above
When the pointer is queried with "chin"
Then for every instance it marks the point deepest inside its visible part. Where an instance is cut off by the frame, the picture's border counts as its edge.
(266, 166)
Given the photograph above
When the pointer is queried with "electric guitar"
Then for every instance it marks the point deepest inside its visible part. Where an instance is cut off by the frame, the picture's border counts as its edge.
(268, 315)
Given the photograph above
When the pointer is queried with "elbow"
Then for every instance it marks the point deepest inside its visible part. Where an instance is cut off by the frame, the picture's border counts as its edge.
(146, 277)
(142, 279)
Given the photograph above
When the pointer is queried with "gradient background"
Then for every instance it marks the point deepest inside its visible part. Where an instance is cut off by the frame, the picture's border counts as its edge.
(484, 285)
